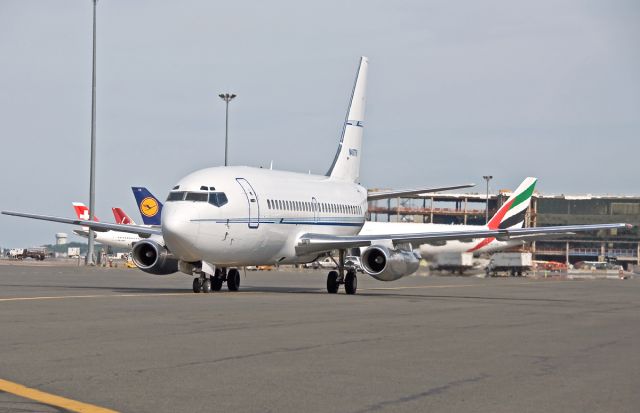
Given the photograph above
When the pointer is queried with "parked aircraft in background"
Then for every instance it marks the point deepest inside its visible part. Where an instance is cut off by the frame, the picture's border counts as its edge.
(511, 215)
(113, 238)
(221, 218)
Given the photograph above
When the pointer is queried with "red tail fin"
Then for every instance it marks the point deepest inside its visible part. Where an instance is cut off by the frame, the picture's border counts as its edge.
(122, 217)
(82, 211)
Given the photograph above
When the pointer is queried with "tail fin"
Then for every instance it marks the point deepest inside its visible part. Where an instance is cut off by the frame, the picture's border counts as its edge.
(122, 217)
(150, 207)
(346, 164)
(512, 213)
(82, 211)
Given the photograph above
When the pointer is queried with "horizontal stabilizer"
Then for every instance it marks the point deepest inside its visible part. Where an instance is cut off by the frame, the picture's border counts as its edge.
(375, 195)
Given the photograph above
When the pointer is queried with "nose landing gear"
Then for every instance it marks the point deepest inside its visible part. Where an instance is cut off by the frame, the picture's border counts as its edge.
(335, 278)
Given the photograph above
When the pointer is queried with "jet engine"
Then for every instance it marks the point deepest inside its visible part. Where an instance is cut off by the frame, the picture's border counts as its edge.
(153, 258)
(385, 264)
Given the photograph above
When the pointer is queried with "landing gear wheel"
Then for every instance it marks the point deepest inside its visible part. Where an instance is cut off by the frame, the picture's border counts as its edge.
(332, 282)
(350, 282)
(233, 280)
(206, 286)
(197, 285)
(216, 283)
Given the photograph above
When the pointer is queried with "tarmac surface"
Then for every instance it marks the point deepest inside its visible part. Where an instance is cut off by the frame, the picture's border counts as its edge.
(127, 341)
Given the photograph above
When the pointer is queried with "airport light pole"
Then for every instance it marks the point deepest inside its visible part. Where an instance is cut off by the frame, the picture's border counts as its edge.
(227, 97)
(487, 178)
(92, 174)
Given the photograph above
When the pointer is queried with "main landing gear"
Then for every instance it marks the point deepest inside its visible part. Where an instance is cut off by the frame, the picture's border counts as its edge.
(202, 284)
(335, 278)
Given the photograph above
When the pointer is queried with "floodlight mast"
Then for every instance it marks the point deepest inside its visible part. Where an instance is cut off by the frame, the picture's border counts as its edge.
(487, 178)
(227, 97)
(89, 260)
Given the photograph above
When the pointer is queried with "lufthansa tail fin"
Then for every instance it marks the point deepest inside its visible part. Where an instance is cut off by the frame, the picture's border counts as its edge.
(346, 164)
(122, 217)
(512, 213)
(150, 207)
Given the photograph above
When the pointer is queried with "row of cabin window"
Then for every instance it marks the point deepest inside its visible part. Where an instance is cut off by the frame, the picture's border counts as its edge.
(308, 207)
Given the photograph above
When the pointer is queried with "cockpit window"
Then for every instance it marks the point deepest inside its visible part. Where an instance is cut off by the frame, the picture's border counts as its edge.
(197, 196)
(176, 196)
(218, 198)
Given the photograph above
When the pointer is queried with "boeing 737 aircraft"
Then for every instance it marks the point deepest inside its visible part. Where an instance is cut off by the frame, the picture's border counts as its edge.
(218, 219)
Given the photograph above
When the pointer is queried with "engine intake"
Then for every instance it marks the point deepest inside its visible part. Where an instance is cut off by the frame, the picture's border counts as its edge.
(153, 258)
(385, 264)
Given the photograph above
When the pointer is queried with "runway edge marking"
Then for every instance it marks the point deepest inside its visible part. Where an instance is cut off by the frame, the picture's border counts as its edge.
(50, 399)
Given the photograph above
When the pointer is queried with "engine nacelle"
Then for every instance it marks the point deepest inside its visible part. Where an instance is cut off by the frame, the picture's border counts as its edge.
(153, 258)
(385, 264)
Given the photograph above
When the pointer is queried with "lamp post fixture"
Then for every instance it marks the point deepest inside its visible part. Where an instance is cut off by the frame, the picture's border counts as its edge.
(92, 173)
(487, 178)
(227, 97)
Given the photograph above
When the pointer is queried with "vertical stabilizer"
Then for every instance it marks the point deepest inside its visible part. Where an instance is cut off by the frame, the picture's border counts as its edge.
(122, 217)
(346, 164)
(513, 212)
(149, 206)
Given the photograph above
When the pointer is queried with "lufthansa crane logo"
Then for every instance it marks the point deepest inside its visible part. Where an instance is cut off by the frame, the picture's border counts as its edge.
(149, 207)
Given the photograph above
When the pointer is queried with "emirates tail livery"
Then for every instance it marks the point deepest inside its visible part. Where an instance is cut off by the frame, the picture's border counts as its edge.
(218, 219)
(511, 215)
(114, 238)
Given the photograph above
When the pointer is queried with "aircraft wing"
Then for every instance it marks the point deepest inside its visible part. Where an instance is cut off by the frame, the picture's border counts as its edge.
(96, 226)
(375, 195)
(315, 243)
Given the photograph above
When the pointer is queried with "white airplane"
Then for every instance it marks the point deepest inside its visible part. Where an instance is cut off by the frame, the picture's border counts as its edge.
(221, 218)
(510, 215)
(114, 238)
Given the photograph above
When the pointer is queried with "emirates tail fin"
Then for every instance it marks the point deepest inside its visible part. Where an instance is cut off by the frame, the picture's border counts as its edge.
(512, 213)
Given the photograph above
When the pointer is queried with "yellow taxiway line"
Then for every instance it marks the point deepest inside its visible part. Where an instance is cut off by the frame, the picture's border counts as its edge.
(50, 399)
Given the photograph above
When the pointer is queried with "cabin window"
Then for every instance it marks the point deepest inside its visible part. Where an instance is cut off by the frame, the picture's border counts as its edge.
(176, 196)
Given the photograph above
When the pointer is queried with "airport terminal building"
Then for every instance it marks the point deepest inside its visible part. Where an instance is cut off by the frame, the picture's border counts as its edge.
(546, 210)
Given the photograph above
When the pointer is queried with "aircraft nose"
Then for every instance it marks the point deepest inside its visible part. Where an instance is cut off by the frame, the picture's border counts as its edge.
(180, 232)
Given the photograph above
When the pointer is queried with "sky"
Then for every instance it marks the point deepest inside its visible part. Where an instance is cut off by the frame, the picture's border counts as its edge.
(456, 90)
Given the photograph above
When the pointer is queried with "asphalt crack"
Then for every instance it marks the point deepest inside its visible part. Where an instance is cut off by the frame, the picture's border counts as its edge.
(427, 393)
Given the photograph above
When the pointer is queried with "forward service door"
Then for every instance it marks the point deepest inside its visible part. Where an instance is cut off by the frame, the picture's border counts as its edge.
(252, 201)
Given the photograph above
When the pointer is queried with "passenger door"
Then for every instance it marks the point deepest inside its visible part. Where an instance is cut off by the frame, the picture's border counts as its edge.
(252, 201)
